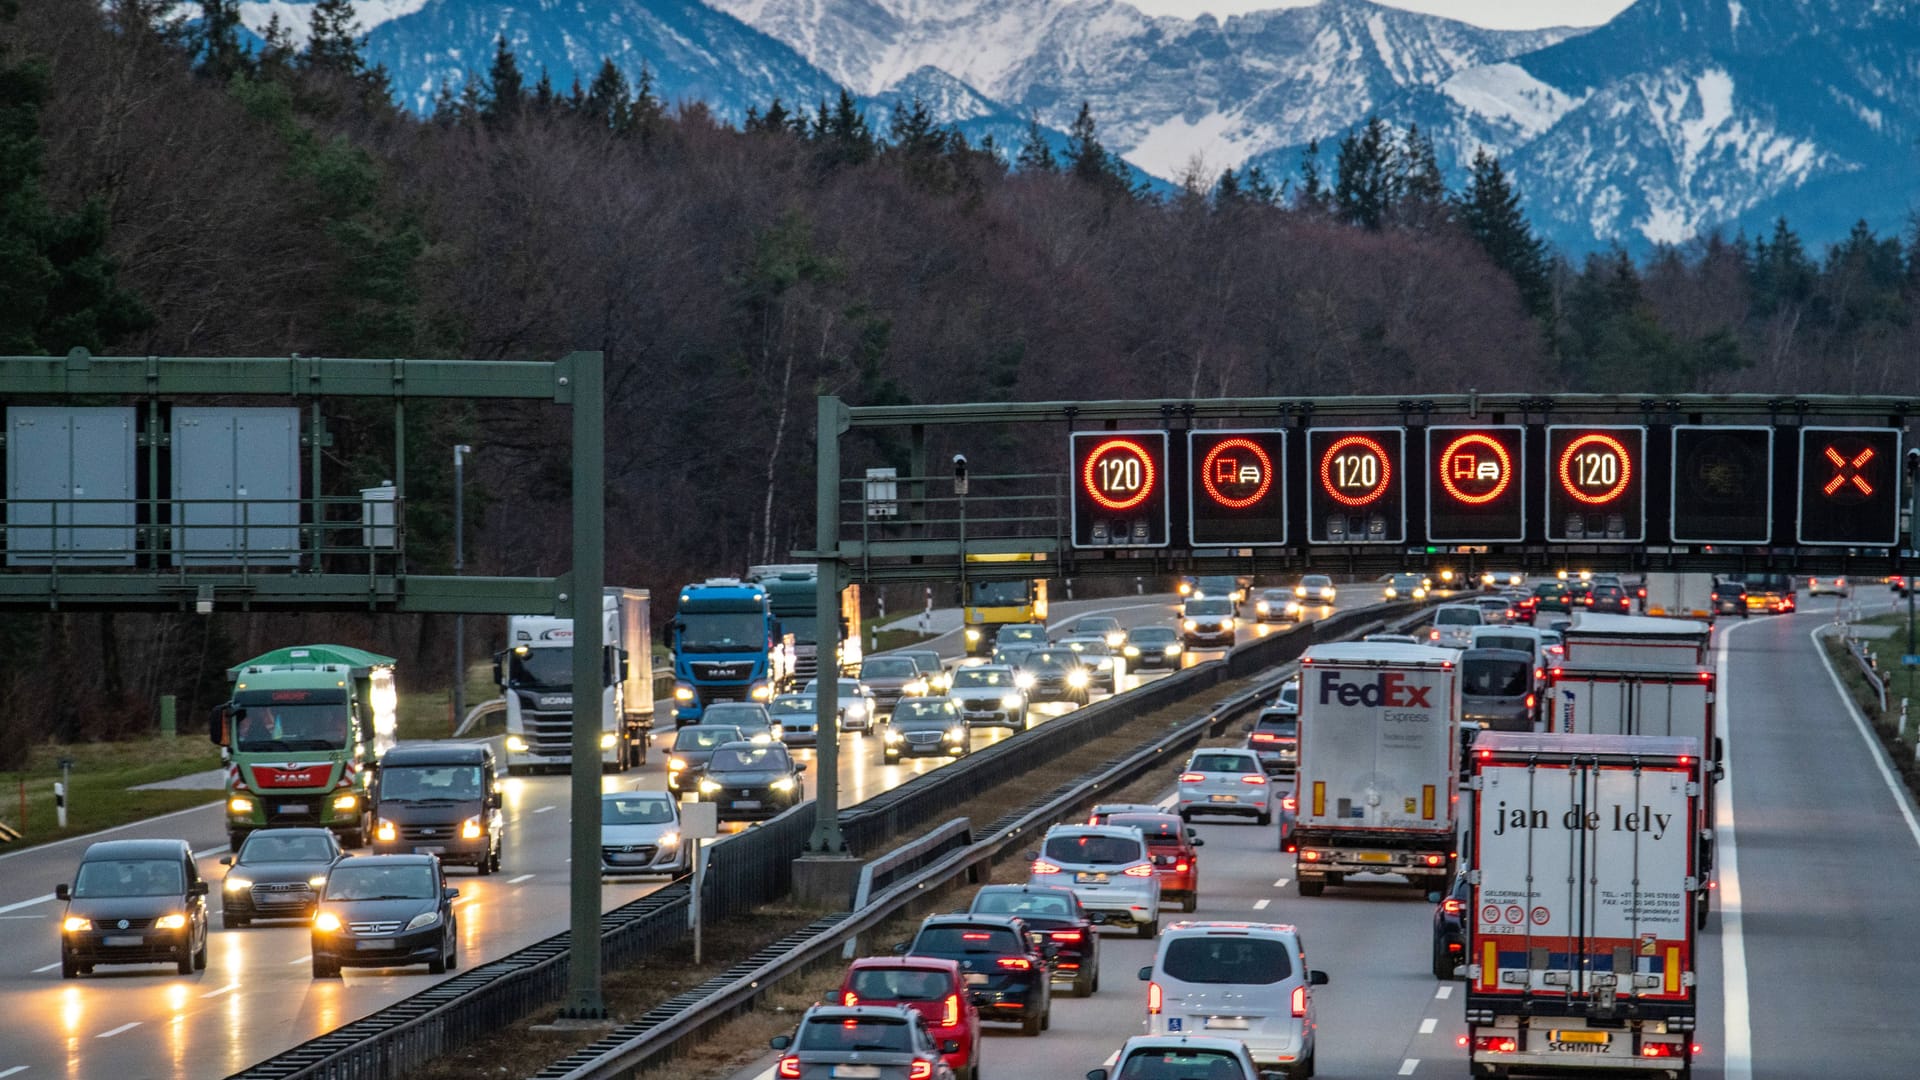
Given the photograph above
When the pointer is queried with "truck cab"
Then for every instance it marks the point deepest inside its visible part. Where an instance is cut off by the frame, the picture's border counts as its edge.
(727, 646)
(535, 675)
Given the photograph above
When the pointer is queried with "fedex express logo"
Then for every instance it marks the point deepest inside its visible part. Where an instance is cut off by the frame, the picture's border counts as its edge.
(1391, 690)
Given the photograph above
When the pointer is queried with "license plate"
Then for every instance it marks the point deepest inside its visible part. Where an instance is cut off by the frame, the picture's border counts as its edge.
(746, 804)
(856, 1072)
(1086, 878)
(1375, 856)
(1585, 1038)
(293, 808)
(118, 940)
(429, 851)
(1227, 1023)
(374, 945)
(1225, 798)
(975, 979)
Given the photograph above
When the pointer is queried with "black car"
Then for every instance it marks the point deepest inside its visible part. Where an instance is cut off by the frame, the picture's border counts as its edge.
(693, 745)
(1152, 647)
(1613, 599)
(385, 911)
(1009, 976)
(924, 727)
(748, 781)
(1054, 917)
(134, 902)
(277, 874)
(1450, 929)
(1730, 598)
(1057, 674)
(1275, 740)
(440, 799)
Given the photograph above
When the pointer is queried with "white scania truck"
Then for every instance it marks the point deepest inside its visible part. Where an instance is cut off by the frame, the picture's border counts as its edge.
(535, 674)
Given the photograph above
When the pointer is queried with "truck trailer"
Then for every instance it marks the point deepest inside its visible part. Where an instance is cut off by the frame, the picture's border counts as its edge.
(1582, 874)
(535, 675)
(1378, 770)
(1636, 639)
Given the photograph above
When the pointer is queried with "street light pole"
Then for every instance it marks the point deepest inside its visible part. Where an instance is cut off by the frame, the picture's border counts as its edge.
(460, 453)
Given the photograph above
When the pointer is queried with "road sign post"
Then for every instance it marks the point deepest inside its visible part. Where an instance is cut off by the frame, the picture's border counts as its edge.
(589, 571)
(699, 822)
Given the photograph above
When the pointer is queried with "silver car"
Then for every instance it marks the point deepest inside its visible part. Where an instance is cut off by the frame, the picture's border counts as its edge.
(1108, 867)
(989, 696)
(1453, 625)
(1246, 981)
(640, 834)
(1226, 780)
(875, 1043)
(856, 708)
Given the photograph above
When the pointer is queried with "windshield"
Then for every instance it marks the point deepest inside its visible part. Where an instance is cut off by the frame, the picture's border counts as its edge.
(999, 593)
(1052, 659)
(1221, 763)
(1516, 642)
(802, 627)
(128, 877)
(706, 738)
(1184, 1063)
(981, 677)
(738, 714)
(889, 667)
(547, 668)
(791, 706)
(635, 810)
(1151, 635)
(1279, 725)
(870, 1033)
(1021, 633)
(272, 845)
(1090, 647)
(1216, 586)
(1101, 625)
(354, 880)
(925, 717)
(1157, 828)
(1494, 678)
(266, 728)
(938, 940)
(1210, 607)
(873, 985)
(723, 631)
(1023, 903)
(423, 783)
(1457, 617)
(1093, 848)
(1235, 960)
(1316, 581)
(758, 759)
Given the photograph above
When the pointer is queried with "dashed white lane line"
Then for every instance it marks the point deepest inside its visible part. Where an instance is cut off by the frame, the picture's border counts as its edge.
(26, 903)
(1407, 1066)
(1427, 1025)
(1261, 905)
(227, 989)
(299, 960)
(1280, 883)
(115, 1031)
(543, 809)
(1445, 991)
(4, 1073)
(47, 968)
(518, 880)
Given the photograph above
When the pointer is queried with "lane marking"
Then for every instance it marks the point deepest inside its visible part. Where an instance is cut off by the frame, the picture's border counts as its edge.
(123, 1027)
(1407, 1066)
(42, 848)
(1280, 883)
(1445, 991)
(46, 968)
(518, 880)
(1261, 905)
(25, 903)
(22, 916)
(544, 809)
(227, 989)
(1737, 1061)
(1900, 796)
(9, 1072)
(300, 960)
(1427, 1025)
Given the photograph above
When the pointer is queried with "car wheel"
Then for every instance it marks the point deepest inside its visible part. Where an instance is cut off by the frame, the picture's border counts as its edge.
(69, 969)
(1264, 819)
(1148, 930)
(1442, 963)
(485, 865)
(1186, 816)
(232, 922)
(325, 969)
(1189, 903)
(184, 965)
(438, 965)
(200, 956)
(1030, 1025)
(1046, 1017)
(453, 949)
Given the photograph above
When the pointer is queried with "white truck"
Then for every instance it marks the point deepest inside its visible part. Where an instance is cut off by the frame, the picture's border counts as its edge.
(1636, 639)
(535, 675)
(1378, 768)
(1609, 698)
(1580, 951)
(1683, 596)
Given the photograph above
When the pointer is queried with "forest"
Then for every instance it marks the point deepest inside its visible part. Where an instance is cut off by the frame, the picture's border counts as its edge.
(166, 191)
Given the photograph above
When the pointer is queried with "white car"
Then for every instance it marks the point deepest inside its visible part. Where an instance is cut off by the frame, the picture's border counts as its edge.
(1246, 981)
(1453, 625)
(640, 834)
(1108, 867)
(1150, 1057)
(990, 695)
(1828, 586)
(1226, 780)
(856, 707)
(1316, 589)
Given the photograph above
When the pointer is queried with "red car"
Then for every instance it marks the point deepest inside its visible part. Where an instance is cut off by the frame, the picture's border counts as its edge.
(1176, 862)
(934, 988)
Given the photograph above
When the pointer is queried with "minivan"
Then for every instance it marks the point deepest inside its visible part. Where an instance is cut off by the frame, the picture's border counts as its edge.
(134, 902)
(1497, 688)
(440, 799)
(1453, 625)
(1245, 981)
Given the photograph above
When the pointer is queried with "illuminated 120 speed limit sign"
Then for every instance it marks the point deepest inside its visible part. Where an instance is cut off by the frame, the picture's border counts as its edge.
(1354, 485)
(1596, 484)
(1119, 489)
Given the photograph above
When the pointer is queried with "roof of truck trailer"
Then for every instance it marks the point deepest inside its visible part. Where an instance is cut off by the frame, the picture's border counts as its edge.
(1601, 666)
(1554, 746)
(1380, 652)
(360, 660)
(1637, 625)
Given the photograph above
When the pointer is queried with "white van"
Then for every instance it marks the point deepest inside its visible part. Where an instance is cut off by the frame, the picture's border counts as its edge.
(1246, 981)
(1453, 625)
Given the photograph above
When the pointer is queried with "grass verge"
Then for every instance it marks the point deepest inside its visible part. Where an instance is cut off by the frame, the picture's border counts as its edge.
(428, 714)
(1901, 749)
(898, 638)
(102, 773)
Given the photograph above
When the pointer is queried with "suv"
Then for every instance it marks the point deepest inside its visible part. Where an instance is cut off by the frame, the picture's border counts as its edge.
(1150, 1057)
(1105, 627)
(989, 694)
(1108, 867)
(938, 677)
(1008, 975)
(1207, 621)
(877, 1042)
(1176, 858)
(1275, 739)
(439, 799)
(1453, 625)
(1054, 917)
(1609, 598)
(935, 989)
(1249, 979)
(1058, 674)
(1497, 689)
(1548, 597)
(134, 902)
(1225, 780)
(893, 678)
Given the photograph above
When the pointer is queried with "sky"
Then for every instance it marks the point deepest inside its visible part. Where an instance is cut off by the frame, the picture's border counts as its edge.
(1499, 14)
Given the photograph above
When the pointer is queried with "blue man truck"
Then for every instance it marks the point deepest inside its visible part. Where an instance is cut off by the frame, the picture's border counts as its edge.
(727, 646)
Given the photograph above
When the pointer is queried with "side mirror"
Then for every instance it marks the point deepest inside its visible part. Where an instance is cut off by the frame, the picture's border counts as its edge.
(499, 671)
(1196, 841)
(900, 948)
(780, 1042)
(198, 888)
(450, 893)
(1317, 978)
(1146, 974)
(950, 1046)
(62, 892)
(1096, 1074)
(226, 860)
(799, 766)
(1029, 855)
(217, 722)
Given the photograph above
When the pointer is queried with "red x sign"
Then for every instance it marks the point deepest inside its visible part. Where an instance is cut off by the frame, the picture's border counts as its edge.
(1847, 471)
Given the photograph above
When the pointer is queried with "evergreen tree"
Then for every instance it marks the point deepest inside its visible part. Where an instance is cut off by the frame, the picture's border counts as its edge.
(277, 51)
(216, 40)
(1366, 187)
(1782, 274)
(772, 122)
(1259, 189)
(1313, 186)
(446, 105)
(505, 95)
(1490, 209)
(1422, 190)
(544, 99)
(609, 98)
(1035, 153)
(577, 98)
(333, 44)
(843, 134)
(1088, 160)
(1226, 191)
(1912, 284)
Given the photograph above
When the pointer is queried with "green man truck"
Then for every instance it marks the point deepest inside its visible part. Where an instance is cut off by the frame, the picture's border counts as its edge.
(301, 735)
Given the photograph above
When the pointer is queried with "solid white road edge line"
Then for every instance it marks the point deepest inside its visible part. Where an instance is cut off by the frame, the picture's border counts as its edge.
(9, 1072)
(46, 968)
(1737, 1061)
(1900, 796)
(518, 880)
(26, 903)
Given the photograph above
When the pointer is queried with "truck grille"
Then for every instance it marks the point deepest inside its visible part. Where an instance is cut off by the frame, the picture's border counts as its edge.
(548, 733)
(806, 666)
(711, 694)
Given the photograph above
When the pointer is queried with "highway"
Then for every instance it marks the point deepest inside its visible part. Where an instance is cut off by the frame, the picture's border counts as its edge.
(1802, 969)
(257, 997)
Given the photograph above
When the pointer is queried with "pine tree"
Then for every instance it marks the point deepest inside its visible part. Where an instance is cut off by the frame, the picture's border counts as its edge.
(1782, 275)
(446, 105)
(609, 98)
(1490, 209)
(277, 53)
(216, 40)
(1226, 191)
(1422, 190)
(772, 122)
(1313, 186)
(649, 112)
(544, 99)
(843, 133)
(1035, 153)
(1088, 160)
(505, 95)
(1258, 188)
(1366, 185)
(333, 43)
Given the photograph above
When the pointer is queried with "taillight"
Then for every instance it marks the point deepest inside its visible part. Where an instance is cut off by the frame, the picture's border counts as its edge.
(1310, 856)
(1290, 802)
(849, 999)
(921, 1070)
(950, 1013)
(1016, 963)
(1530, 701)
(1300, 1000)
(976, 937)
(1495, 1044)
(1436, 860)
(1659, 1050)
(1191, 777)
(1180, 868)
(788, 1069)
(1265, 736)
(1452, 906)
(1153, 998)
(1041, 866)
(1143, 870)
(1261, 779)
(1065, 935)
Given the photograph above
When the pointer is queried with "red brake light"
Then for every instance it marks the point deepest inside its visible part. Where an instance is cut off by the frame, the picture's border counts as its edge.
(1290, 802)
(1181, 867)
(1452, 906)
(1300, 1000)
(976, 937)
(1261, 779)
(1016, 963)
(788, 1069)
(1659, 1050)
(1310, 856)
(950, 1013)
(1153, 997)
(1065, 935)
(1041, 866)
(921, 1070)
(1265, 736)
(1143, 870)
(1495, 1044)
(1530, 701)
(1436, 860)
(1191, 777)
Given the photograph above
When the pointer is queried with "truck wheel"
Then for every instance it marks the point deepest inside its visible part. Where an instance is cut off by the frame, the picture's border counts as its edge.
(640, 748)
(1700, 912)
(235, 839)
(1312, 887)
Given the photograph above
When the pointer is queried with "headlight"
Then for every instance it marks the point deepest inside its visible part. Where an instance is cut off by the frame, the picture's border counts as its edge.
(385, 830)
(1010, 701)
(1330, 593)
(423, 920)
(1185, 588)
(1116, 639)
(74, 924)
(470, 828)
(1263, 607)
(239, 804)
(670, 838)
(317, 881)
(916, 688)
(675, 764)
(1173, 649)
(956, 735)
(891, 736)
(346, 802)
(1392, 592)
(972, 634)
(516, 744)
(237, 884)
(1130, 651)
(1188, 624)
(683, 693)
(170, 922)
(708, 787)
(1299, 590)
(1447, 575)
(606, 740)
(1023, 680)
(1077, 678)
(856, 709)
(760, 692)
(785, 783)
(326, 922)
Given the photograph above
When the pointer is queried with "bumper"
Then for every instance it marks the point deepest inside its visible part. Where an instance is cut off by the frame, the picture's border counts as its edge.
(313, 809)
(1278, 761)
(1264, 1047)
(799, 736)
(1005, 1002)
(1224, 637)
(148, 946)
(1138, 908)
(393, 950)
(665, 860)
(1203, 803)
(450, 849)
(939, 749)
(767, 806)
(993, 718)
(1341, 860)
(1154, 660)
(1178, 885)
(296, 904)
